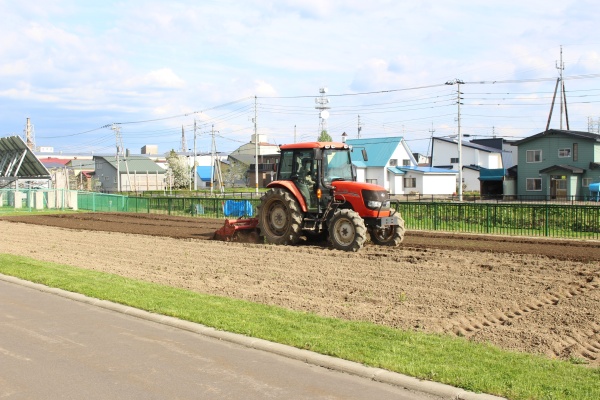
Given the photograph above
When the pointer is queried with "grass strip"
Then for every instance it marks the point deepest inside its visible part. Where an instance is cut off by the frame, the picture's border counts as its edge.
(11, 211)
(440, 358)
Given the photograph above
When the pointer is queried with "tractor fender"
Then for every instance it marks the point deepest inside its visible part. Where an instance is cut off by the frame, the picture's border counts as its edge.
(291, 187)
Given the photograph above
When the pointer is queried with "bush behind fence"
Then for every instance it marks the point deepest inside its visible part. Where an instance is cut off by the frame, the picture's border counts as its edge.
(519, 219)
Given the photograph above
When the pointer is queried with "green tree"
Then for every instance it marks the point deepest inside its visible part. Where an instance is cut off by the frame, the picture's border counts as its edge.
(179, 169)
(324, 137)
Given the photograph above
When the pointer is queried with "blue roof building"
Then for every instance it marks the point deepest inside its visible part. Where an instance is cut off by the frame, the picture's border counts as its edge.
(391, 164)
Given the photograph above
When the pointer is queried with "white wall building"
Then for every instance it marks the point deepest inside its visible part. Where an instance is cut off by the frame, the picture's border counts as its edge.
(474, 157)
(392, 165)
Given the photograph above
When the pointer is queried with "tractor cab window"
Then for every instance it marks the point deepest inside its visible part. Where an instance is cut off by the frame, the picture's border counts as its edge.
(336, 165)
(304, 166)
(285, 167)
(298, 165)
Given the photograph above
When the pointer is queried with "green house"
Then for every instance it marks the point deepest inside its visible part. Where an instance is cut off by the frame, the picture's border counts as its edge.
(558, 164)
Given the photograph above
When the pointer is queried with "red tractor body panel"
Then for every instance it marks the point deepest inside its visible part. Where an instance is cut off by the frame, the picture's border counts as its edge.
(352, 193)
(289, 185)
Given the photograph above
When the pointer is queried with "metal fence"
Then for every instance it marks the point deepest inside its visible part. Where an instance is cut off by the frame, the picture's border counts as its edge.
(515, 219)
(469, 198)
(210, 207)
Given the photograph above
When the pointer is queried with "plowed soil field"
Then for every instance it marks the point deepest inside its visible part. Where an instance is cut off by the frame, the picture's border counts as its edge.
(522, 294)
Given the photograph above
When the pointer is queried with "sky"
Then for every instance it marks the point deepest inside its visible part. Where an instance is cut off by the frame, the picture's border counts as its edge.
(83, 71)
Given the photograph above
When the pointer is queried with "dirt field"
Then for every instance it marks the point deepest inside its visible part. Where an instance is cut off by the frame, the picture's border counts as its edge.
(532, 295)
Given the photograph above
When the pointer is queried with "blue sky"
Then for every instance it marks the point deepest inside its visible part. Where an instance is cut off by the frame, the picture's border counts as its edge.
(153, 67)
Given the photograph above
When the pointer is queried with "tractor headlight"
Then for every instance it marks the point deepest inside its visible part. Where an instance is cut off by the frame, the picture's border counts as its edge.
(376, 199)
(377, 204)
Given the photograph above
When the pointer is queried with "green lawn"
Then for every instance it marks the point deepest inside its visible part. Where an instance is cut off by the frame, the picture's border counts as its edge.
(447, 359)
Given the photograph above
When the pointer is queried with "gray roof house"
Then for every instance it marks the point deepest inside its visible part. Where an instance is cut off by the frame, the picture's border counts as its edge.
(558, 164)
(132, 174)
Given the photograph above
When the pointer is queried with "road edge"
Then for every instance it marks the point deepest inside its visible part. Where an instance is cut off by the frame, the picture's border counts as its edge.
(309, 357)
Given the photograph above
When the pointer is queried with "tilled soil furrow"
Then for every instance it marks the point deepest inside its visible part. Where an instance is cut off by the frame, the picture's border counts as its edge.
(515, 293)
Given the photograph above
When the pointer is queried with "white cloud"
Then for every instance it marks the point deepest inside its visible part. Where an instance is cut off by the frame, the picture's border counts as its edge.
(163, 78)
(28, 95)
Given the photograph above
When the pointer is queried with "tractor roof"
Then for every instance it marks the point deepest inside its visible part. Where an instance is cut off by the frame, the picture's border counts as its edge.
(314, 145)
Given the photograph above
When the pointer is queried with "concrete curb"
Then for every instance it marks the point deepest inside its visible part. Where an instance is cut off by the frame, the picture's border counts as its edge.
(376, 374)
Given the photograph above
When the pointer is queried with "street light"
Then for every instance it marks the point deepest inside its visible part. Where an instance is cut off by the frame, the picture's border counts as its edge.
(460, 161)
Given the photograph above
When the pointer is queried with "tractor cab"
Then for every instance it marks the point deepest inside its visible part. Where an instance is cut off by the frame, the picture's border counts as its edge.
(312, 168)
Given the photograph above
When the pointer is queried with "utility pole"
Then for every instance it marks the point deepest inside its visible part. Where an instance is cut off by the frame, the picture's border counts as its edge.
(212, 159)
(429, 149)
(117, 130)
(561, 67)
(458, 82)
(359, 128)
(186, 154)
(294, 133)
(255, 149)
(194, 170)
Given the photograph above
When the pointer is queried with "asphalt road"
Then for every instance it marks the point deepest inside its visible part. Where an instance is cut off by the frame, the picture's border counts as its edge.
(53, 347)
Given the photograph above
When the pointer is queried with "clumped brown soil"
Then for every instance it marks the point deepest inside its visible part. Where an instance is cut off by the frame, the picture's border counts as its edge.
(523, 294)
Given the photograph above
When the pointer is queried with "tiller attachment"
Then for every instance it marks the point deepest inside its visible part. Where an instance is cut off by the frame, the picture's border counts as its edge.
(238, 230)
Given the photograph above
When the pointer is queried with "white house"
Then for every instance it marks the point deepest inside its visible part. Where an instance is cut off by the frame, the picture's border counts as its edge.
(474, 157)
(428, 180)
(392, 165)
(510, 152)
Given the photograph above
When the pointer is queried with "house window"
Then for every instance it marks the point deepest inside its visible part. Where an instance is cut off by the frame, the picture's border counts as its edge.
(106, 178)
(454, 160)
(564, 153)
(410, 182)
(534, 184)
(406, 163)
(373, 181)
(575, 151)
(534, 156)
(586, 182)
(99, 166)
(393, 162)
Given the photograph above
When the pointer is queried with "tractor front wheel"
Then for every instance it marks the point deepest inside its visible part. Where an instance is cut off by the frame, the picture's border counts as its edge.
(391, 235)
(347, 230)
(279, 217)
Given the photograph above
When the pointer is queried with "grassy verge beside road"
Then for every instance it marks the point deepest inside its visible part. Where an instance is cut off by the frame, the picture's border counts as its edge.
(447, 359)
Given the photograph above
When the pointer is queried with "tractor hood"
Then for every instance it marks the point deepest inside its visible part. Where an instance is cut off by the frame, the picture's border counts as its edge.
(354, 187)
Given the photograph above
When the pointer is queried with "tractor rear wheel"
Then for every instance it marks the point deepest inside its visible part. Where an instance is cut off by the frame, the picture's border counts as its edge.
(279, 217)
(347, 230)
(391, 235)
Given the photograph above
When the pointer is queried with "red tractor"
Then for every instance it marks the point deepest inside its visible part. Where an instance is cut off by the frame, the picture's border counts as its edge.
(316, 194)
